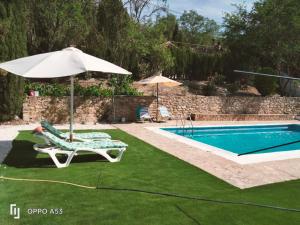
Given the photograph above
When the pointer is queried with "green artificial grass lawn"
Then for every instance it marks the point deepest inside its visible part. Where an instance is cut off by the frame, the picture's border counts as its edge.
(142, 167)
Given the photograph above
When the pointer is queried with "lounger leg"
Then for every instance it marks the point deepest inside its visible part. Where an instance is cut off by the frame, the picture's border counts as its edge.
(118, 158)
(55, 160)
(70, 157)
(52, 152)
(109, 158)
(59, 164)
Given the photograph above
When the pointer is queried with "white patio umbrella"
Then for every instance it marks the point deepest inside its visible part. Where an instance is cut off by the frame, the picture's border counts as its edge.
(67, 62)
(158, 79)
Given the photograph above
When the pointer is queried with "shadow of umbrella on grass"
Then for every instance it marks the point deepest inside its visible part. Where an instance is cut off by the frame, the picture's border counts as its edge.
(22, 156)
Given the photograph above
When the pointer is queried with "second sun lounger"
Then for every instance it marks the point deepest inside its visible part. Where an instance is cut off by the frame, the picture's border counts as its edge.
(164, 113)
(143, 114)
(88, 136)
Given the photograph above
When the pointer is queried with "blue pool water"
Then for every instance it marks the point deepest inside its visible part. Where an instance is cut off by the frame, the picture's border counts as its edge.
(245, 139)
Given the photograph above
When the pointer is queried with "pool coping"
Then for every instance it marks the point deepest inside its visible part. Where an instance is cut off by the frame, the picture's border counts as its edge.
(243, 159)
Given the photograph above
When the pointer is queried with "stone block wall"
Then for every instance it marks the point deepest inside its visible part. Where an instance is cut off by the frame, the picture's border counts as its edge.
(95, 109)
(125, 106)
(231, 105)
(86, 109)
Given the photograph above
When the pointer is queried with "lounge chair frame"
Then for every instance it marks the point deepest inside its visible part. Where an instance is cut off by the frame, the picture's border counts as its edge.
(52, 151)
(144, 115)
(165, 111)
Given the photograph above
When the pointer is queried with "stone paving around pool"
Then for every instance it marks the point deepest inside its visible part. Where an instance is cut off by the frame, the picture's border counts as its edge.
(241, 176)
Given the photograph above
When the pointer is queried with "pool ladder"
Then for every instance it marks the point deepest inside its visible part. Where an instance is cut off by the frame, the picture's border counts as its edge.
(182, 121)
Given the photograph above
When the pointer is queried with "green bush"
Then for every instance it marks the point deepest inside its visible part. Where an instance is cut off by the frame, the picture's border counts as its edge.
(91, 91)
(106, 92)
(59, 90)
(123, 86)
(219, 79)
(233, 88)
(95, 90)
(266, 85)
(46, 89)
(209, 89)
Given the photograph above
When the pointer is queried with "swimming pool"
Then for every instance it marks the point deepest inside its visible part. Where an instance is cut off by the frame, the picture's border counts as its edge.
(254, 142)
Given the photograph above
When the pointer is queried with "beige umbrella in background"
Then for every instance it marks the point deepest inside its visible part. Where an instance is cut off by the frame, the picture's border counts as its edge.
(158, 79)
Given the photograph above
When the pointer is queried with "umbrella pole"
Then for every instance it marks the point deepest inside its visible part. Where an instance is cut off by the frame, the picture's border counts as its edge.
(71, 107)
(157, 102)
(114, 106)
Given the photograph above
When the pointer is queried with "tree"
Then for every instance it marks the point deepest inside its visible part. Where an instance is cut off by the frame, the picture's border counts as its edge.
(57, 24)
(168, 26)
(12, 45)
(137, 47)
(238, 42)
(267, 36)
(112, 26)
(141, 10)
(147, 53)
(266, 85)
(275, 27)
(185, 37)
(197, 28)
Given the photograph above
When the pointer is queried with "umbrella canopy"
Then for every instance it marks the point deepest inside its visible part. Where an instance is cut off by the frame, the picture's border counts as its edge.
(67, 62)
(158, 79)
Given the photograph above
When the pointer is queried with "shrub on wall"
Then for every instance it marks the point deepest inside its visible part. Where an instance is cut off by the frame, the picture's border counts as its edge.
(266, 85)
(94, 90)
(233, 88)
(59, 90)
(209, 89)
(219, 79)
(122, 85)
(44, 89)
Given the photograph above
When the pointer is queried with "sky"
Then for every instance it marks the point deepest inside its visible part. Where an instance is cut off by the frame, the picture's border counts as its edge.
(213, 9)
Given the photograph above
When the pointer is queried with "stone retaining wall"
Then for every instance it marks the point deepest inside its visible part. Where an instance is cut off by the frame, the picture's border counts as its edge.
(95, 109)
(231, 105)
(86, 110)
